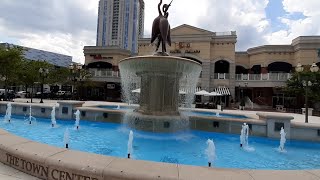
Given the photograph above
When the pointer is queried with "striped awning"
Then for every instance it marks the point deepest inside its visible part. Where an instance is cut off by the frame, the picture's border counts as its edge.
(223, 91)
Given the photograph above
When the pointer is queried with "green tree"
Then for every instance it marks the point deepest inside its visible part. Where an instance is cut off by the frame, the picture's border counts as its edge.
(295, 85)
(10, 61)
(29, 74)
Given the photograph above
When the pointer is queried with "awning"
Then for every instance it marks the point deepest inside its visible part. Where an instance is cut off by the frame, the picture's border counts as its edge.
(224, 91)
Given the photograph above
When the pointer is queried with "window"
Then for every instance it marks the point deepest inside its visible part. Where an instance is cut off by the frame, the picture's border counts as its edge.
(83, 113)
(278, 126)
(166, 124)
(24, 109)
(216, 124)
(65, 110)
(43, 110)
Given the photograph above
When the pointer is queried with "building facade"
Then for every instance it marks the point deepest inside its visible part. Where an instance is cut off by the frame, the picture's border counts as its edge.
(258, 73)
(56, 59)
(120, 24)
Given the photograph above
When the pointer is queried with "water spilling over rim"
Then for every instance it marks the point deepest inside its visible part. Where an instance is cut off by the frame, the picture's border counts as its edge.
(160, 79)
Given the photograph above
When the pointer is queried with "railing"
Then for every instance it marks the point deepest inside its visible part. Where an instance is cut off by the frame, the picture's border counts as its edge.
(101, 73)
(221, 76)
(263, 77)
(227, 33)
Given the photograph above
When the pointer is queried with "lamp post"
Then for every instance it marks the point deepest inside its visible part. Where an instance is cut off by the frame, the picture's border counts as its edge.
(306, 84)
(43, 74)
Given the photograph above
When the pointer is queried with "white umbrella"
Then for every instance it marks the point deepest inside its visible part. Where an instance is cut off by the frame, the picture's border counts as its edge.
(202, 93)
(214, 94)
(182, 92)
(137, 90)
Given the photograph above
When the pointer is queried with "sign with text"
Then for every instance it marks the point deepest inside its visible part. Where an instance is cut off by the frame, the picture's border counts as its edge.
(40, 170)
(182, 47)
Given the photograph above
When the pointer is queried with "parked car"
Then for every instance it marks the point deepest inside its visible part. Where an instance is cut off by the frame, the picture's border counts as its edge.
(21, 94)
(60, 93)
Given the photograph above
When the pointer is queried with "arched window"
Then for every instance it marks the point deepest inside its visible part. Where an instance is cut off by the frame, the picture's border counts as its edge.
(241, 70)
(279, 67)
(100, 65)
(221, 66)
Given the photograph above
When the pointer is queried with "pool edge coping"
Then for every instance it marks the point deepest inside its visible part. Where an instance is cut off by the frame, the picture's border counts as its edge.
(119, 168)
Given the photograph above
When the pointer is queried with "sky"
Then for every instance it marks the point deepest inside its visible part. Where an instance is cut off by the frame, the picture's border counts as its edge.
(65, 26)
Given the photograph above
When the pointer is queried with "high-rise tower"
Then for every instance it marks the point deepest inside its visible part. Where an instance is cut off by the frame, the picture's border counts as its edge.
(120, 23)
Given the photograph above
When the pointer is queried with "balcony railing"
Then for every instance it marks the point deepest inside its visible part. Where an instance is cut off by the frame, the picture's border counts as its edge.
(263, 77)
(101, 73)
(221, 76)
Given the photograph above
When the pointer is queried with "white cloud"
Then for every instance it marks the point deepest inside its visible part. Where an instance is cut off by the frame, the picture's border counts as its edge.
(247, 17)
(305, 26)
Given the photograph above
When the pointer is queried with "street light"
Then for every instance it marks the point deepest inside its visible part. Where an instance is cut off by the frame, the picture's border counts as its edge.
(43, 74)
(306, 84)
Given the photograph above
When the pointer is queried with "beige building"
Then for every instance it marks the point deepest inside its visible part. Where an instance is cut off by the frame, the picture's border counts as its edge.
(257, 73)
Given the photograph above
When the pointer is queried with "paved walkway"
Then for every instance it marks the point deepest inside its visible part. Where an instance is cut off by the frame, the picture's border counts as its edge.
(9, 173)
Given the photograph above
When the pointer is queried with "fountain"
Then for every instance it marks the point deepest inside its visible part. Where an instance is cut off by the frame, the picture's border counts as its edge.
(244, 135)
(282, 140)
(66, 138)
(130, 149)
(210, 152)
(77, 113)
(159, 78)
(218, 114)
(7, 117)
(53, 116)
(118, 107)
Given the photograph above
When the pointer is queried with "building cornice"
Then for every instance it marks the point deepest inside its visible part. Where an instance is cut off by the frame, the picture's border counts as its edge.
(114, 50)
(271, 49)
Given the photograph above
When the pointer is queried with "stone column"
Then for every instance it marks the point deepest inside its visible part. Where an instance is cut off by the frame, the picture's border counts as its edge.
(232, 81)
(66, 109)
(274, 124)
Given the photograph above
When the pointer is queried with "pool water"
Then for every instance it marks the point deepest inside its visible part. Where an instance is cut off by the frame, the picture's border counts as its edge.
(191, 113)
(183, 148)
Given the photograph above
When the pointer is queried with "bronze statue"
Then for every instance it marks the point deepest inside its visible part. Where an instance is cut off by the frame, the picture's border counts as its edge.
(161, 28)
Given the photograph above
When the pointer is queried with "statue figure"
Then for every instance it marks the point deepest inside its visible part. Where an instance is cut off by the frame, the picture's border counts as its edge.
(161, 28)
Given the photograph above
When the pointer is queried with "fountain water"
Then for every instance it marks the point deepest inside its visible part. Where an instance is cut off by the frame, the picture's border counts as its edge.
(244, 135)
(77, 113)
(53, 116)
(31, 118)
(118, 107)
(210, 151)
(159, 78)
(7, 117)
(282, 139)
(218, 114)
(130, 141)
(66, 138)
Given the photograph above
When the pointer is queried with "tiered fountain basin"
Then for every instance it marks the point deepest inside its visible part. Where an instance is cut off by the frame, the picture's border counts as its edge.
(49, 162)
(160, 79)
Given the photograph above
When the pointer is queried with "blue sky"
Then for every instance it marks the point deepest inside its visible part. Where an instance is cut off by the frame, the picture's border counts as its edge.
(65, 26)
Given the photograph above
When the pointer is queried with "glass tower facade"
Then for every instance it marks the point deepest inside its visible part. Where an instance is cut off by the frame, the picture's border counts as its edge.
(120, 23)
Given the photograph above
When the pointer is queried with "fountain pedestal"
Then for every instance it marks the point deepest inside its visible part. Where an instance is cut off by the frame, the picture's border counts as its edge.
(160, 78)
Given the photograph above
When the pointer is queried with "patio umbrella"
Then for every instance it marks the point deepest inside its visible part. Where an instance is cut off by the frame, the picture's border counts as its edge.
(214, 94)
(136, 90)
(182, 92)
(202, 93)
